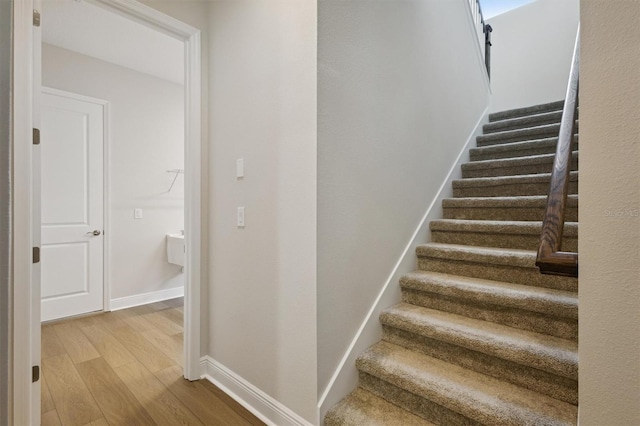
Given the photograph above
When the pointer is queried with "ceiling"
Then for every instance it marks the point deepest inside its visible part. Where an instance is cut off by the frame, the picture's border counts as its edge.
(90, 30)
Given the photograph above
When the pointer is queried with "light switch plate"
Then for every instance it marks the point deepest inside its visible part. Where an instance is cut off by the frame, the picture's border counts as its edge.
(240, 217)
(240, 168)
(137, 213)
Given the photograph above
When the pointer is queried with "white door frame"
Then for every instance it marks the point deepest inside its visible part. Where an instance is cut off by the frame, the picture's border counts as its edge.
(106, 184)
(190, 36)
(23, 109)
(22, 215)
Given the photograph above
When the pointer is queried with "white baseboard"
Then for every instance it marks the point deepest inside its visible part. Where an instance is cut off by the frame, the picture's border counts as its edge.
(263, 406)
(345, 377)
(145, 298)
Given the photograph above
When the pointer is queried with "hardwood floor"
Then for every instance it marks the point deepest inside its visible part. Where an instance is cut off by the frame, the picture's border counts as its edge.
(125, 368)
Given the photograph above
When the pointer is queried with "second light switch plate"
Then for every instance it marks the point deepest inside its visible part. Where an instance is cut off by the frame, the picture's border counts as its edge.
(240, 223)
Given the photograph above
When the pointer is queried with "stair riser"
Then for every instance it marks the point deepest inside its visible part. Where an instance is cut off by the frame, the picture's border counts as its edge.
(422, 407)
(522, 122)
(509, 190)
(543, 382)
(474, 336)
(472, 171)
(502, 213)
(518, 136)
(565, 328)
(526, 242)
(514, 274)
(515, 150)
(361, 407)
(329, 420)
(523, 112)
(477, 154)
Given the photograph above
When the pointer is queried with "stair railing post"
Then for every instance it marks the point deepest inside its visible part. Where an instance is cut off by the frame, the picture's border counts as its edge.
(487, 48)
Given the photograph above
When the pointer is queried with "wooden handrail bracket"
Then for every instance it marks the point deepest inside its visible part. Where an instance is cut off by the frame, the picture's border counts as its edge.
(550, 259)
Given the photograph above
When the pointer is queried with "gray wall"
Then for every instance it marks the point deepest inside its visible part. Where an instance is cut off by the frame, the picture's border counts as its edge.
(6, 8)
(609, 244)
(262, 292)
(400, 88)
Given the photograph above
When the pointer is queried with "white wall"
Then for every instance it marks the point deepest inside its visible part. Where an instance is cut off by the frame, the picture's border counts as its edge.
(531, 53)
(609, 244)
(146, 140)
(397, 102)
(262, 294)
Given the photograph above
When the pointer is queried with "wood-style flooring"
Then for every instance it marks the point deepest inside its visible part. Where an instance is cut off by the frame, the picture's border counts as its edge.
(125, 368)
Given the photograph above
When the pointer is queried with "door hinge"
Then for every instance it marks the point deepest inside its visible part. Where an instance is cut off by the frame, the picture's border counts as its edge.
(35, 373)
(36, 255)
(36, 136)
(36, 18)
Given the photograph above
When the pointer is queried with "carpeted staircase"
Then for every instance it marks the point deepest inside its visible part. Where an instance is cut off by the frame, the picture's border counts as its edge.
(481, 337)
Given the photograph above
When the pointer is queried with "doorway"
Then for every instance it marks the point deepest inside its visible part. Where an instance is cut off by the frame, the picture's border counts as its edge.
(26, 85)
(26, 205)
(146, 18)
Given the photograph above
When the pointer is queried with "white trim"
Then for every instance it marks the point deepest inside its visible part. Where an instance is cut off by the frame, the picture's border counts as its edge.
(345, 377)
(146, 298)
(75, 96)
(150, 17)
(106, 184)
(22, 99)
(193, 206)
(263, 406)
(154, 19)
(106, 207)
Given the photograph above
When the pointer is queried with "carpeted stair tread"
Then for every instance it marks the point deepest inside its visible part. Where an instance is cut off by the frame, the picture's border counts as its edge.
(473, 395)
(362, 408)
(530, 110)
(494, 299)
(503, 180)
(498, 226)
(513, 265)
(541, 163)
(505, 202)
(498, 233)
(521, 208)
(520, 185)
(492, 255)
(522, 122)
(529, 133)
(546, 353)
(516, 149)
(558, 303)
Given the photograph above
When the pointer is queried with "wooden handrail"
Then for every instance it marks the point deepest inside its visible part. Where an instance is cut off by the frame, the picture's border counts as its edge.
(551, 260)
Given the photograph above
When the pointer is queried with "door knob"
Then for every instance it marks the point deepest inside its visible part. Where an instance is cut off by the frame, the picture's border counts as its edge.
(95, 233)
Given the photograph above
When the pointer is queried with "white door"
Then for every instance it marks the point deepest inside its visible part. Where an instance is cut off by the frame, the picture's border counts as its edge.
(72, 140)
